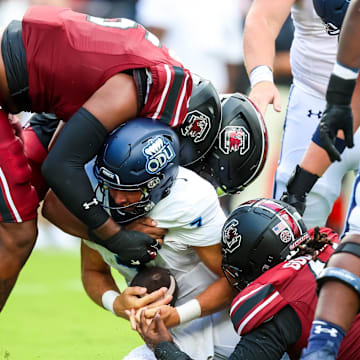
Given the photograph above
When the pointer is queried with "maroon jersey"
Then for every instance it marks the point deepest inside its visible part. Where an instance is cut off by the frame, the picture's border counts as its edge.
(70, 55)
(18, 199)
(290, 283)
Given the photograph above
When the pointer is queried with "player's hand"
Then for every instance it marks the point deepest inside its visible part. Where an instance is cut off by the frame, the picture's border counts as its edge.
(148, 226)
(136, 297)
(17, 127)
(336, 117)
(132, 248)
(298, 186)
(169, 315)
(154, 332)
(265, 93)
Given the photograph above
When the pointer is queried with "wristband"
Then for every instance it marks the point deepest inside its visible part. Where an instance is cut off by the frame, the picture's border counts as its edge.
(260, 73)
(345, 72)
(325, 336)
(301, 181)
(337, 274)
(340, 90)
(108, 299)
(189, 311)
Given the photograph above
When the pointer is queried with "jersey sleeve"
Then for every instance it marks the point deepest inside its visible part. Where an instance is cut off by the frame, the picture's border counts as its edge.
(192, 209)
(255, 305)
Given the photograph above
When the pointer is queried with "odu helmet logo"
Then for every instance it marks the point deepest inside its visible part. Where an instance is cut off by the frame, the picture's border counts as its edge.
(230, 237)
(158, 152)
(234, 139)
(197, 126)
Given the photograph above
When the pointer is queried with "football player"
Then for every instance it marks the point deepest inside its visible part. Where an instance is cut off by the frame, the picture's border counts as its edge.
(94, 74)
(137, 174)
(339, 292)
(270, 258)
(312, 56)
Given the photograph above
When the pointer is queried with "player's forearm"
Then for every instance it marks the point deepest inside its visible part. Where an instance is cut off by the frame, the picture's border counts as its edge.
(349, 51)
(216, 297)
(254, 53)
(315, 160)
(97, 283)
(262, 26)
(64, 170)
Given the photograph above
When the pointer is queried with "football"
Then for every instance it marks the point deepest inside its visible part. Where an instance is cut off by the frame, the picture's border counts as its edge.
(154, 278)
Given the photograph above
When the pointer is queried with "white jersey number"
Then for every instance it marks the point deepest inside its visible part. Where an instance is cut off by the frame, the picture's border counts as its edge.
(124, 24)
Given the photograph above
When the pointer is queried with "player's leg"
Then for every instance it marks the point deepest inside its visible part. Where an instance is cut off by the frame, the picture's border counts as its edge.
(304, 112)
(16, 242)
(302, 117)
(339, 297)
(18, 206)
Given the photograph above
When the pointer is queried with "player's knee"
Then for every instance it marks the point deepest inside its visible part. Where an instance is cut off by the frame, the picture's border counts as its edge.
(19, 238)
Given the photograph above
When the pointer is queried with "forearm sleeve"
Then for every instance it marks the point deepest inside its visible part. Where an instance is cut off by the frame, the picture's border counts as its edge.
(63, 169)
(270, 340)
(167, 350)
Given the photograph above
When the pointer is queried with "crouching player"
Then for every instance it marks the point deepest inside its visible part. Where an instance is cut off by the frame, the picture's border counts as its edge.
(137, 174)
(270, 258)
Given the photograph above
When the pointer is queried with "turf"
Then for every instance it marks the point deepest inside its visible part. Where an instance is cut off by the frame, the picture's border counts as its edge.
(49, 316)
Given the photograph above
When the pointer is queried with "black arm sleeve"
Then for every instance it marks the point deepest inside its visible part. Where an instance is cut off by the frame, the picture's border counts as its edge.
(63, 169)
(270, 340)
(167, 350)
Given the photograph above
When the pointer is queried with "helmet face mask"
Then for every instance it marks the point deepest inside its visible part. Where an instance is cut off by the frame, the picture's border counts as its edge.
(128, 212)
(258, 235)
(141, 155)
(237, 278)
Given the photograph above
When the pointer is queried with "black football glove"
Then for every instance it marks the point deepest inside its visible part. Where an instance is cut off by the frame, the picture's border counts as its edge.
(299, 184)
(133, 248)
(337, 115)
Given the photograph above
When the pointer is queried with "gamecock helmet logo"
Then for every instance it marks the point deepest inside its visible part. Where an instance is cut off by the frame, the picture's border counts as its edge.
(197, 126)
(234, 139)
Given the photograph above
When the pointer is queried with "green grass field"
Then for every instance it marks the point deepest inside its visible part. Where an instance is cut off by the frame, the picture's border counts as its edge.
(49, 316)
